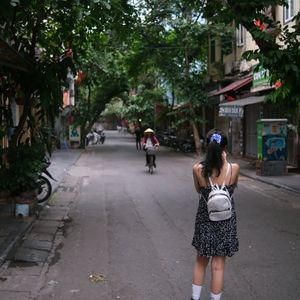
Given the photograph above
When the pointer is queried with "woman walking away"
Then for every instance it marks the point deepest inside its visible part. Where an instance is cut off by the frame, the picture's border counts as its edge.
(213, 240)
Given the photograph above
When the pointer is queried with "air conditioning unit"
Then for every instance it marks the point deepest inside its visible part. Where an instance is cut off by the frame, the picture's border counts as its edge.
(245, 66)
(228, 67)
(236, 66)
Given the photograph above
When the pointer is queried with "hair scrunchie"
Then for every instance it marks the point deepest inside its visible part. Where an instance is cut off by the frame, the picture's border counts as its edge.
(216, 137)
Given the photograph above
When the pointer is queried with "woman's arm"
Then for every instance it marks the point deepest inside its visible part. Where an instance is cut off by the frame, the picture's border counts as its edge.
(196, 173)
(156, 142)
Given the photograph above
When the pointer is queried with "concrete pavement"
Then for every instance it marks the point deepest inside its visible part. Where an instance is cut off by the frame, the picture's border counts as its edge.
(40, 233)
(290, 182)
(12, 229)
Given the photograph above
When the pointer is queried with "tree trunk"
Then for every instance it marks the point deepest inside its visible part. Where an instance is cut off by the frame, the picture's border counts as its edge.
(196, 138)
(192, 122)
(83, 137)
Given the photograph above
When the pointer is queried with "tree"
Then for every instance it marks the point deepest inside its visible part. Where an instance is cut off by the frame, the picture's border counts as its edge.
(172, 37)
(50, 35)
(104, 80)
(140, 105)
(29, 27)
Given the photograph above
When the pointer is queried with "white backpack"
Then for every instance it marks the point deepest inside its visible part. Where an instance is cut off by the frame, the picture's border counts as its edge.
(219, 201)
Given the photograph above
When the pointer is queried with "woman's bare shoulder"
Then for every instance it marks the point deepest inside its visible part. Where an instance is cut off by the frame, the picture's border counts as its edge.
(235, 172)
(235, 168)
(198, 176)
(197, 168)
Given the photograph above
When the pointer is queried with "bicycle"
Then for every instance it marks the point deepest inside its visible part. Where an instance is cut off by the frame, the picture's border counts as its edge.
(151, 152)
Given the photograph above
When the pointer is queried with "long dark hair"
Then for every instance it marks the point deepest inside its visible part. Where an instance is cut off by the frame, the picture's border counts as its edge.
(216, 142)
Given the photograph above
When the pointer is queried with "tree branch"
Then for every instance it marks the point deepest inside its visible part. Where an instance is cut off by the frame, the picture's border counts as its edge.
(36, 28)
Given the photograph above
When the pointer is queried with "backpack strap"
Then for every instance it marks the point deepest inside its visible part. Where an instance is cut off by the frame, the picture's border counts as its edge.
(210, 182)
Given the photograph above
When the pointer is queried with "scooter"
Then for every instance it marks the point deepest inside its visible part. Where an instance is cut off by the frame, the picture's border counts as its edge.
(44, 184)
(92, 138)
(102, 136)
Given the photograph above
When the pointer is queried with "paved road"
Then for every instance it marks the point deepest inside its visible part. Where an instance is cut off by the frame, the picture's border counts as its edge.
(131, 231)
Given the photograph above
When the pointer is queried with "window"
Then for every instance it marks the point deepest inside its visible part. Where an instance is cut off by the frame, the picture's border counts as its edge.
(289, 11)
(226, 45)
(240, 36)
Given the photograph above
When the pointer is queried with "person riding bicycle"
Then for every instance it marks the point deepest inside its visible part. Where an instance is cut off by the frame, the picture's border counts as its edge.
(149, 141)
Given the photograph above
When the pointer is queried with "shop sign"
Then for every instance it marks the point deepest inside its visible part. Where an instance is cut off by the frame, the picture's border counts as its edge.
(261, 77)
(233, 111)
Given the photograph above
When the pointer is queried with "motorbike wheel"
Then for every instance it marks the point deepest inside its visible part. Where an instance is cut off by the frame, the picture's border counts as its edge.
(151, 164)
(44, 189)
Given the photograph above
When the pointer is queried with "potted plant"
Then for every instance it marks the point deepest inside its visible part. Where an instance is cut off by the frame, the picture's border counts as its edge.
(19, 172)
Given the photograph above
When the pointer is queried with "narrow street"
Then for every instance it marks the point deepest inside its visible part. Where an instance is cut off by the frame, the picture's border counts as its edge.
(128, 233)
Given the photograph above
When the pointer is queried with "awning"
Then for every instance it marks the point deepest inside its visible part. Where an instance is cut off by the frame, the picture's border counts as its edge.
(235, 109)
(9, 57)
(236, 85)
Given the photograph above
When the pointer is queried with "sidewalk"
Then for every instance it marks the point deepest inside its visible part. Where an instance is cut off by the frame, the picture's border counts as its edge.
(290, 182)
(11, 228)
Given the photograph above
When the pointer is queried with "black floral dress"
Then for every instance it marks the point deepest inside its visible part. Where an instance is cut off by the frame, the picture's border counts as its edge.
(214, 238)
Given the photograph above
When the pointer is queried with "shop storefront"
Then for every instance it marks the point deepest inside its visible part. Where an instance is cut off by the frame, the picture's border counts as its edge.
(243, 114)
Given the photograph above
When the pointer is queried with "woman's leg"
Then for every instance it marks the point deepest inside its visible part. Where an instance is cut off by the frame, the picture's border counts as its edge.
(217, 276)
(199, 276)
(199, 269)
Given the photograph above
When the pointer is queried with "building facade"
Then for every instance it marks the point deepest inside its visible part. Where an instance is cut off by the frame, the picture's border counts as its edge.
(238, 88)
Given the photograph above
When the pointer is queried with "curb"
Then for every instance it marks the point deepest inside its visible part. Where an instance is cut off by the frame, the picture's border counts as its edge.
(270, 183)
(58, 182)
(17, 238)
(254, 177)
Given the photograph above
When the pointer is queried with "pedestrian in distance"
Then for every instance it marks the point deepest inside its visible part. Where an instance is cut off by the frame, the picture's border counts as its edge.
(213, 240)
(150, 141)
(138, 136)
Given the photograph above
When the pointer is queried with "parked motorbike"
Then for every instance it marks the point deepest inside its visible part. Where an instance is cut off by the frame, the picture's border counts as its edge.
(187, 146)
(44, 184)
(169, 139)
(94, 137)
(102, 136)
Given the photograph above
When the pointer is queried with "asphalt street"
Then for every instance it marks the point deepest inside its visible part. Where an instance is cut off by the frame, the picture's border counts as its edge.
(128, 233)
